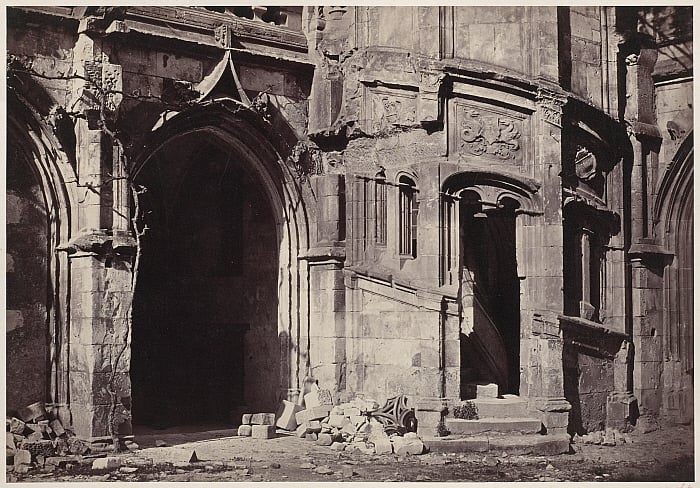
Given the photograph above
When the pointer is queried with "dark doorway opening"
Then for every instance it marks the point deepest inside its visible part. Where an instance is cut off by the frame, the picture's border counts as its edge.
(205, 341)
(490, 285)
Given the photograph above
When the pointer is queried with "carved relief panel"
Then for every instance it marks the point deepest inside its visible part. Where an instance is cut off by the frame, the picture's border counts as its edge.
(389, 110)
(479, 133)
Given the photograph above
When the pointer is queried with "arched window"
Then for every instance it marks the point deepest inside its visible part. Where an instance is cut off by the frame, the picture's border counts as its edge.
(408, 217)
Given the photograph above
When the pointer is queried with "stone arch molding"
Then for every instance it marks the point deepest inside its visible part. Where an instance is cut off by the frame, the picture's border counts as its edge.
(495, 188)
(241, 129)
(33, 137)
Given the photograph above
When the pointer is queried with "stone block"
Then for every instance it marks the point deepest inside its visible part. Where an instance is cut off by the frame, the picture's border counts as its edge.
(22, 456)
(311, 399)
(107, 463)
(311, 436)
(246, 418)
(57, 427)
(263, 419)
(324, 439)
(263, 431)
(245, 430)
(286, 415)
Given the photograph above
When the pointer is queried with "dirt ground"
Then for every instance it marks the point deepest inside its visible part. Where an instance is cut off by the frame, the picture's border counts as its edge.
(663, 455)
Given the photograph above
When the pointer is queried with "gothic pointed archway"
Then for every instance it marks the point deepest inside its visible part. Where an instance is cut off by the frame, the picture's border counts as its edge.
(219, 302)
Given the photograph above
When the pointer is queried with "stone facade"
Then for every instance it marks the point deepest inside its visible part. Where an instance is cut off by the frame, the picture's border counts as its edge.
(237, 198)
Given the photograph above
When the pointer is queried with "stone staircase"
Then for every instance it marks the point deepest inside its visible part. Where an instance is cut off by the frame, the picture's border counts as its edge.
(504, 423)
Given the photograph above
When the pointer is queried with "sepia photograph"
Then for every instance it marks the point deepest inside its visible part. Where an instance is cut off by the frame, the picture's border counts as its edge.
(400, 243)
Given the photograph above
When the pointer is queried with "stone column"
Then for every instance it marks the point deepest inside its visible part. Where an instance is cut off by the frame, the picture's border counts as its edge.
(541, 240)
(101, 269)
(326, 261)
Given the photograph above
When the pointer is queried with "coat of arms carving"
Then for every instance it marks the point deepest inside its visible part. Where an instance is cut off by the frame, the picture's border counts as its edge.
(492, 135)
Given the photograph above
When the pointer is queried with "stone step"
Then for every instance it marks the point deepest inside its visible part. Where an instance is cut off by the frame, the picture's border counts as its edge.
(515, 444)
(508, 406)
(467, 427)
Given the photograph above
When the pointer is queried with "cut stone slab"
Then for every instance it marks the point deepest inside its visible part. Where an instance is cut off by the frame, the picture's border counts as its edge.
(107, 463)
(263, 419)
(466, 427)
(286, 415)
(314, 426)
(263, 431)
(246, 418)
(245, 430)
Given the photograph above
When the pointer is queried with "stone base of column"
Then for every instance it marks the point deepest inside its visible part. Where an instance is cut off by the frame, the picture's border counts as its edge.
(554, 413)
(430, 413)
(621, 410)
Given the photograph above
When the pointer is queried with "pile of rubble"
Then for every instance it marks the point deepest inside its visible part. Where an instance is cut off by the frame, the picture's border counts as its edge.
(37, 440)
(353, 425)
(607, 437)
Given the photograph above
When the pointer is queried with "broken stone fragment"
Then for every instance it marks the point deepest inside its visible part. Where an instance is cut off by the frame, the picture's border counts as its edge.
(246, 418)
(323, 470)
(161, 443)
(245, 430)
(338, 446)
(311, 436)
(324, 440)
(406, 445)
(17, 426)
(128, 469)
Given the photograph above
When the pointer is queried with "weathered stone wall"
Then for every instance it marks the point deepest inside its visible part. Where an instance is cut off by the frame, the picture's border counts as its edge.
(27, 278)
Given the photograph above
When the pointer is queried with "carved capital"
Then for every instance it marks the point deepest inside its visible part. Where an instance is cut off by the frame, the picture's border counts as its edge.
(223, 35)
(551, 105)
